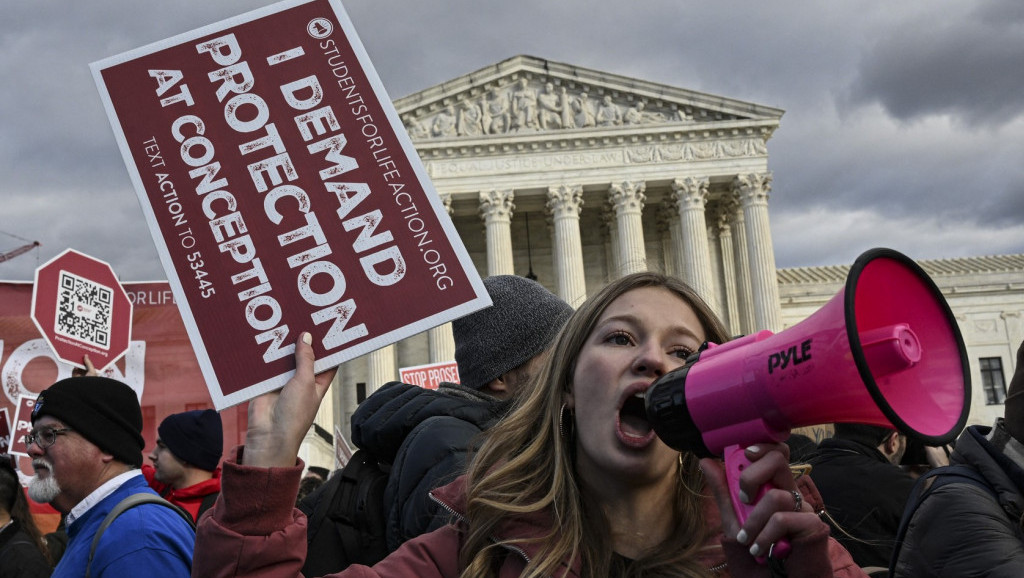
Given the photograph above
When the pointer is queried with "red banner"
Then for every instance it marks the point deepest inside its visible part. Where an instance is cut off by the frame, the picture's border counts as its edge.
(283, 195)
(160, 364)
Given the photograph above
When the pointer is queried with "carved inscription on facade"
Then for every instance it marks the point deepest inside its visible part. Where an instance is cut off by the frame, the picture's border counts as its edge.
(524, 163)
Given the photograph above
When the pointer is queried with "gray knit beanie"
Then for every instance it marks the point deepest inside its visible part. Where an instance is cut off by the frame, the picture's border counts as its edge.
(522, 322)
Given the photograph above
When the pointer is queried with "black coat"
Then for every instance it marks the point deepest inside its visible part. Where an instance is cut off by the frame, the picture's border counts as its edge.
(428, 437)
(963, 530)
(864, 494)
(19, 557)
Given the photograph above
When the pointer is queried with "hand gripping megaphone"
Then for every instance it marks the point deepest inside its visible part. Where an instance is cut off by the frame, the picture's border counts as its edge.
(883, 351)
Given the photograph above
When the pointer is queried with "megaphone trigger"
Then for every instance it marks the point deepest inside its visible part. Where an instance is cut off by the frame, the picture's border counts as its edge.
(735, 462)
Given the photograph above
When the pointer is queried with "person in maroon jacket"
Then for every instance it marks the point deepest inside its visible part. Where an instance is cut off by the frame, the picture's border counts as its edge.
(574, 482)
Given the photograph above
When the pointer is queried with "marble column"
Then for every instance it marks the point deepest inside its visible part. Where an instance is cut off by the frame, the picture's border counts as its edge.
(565, 203)
(669, 231)
(612, 246)
(753, 189)
(721, 220)
(741, 262)
(627, 198)
(440, 340)
(690, 195)
(380, 368)
(496, 209)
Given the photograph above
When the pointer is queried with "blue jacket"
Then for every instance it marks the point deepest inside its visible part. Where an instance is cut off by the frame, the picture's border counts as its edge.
(148, 540)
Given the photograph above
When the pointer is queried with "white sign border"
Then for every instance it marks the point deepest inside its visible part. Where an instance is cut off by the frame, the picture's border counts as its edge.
(220, 400)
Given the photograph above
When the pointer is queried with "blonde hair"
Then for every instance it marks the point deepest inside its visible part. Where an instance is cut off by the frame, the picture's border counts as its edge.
(525, 466)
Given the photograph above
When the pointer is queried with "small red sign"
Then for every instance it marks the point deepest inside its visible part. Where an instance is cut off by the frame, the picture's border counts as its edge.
(283, 194)
(81, 309)
(5, 431)
(22, 425)
(430, 376)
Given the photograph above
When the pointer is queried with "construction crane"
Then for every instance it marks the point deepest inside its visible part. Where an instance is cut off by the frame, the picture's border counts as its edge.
(19, 251)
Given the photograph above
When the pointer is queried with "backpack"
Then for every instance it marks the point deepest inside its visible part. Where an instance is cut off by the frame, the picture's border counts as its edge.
(130, 502)
(347, 518)
(925, 485)
(208, 501)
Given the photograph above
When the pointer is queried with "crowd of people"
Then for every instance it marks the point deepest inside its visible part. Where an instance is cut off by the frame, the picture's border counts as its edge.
(541, 462)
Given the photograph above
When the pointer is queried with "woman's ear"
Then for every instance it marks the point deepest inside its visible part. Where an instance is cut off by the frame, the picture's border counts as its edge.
(892, 443)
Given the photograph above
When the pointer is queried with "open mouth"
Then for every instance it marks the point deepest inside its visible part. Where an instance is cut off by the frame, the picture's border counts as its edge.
(634, 428)
(40, 466)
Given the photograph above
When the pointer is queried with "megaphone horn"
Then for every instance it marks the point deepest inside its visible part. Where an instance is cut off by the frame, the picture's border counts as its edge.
(883, 351)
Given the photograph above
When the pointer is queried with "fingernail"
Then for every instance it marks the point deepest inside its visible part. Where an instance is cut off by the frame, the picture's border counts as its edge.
(742, 537)
(754, 550)
(744, 497)
(307, 338)
(754, 449)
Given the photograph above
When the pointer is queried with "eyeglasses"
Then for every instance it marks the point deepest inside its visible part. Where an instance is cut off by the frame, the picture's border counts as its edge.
(45, 437)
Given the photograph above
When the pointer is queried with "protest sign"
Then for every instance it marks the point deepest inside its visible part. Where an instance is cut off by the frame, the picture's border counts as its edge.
(283, 195)
(430, 376)
(5, 430)
(342, 449)
(81, 309)
(22, 425)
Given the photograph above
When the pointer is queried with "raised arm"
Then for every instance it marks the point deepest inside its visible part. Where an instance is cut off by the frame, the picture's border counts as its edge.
(279, 420)
(254, 529)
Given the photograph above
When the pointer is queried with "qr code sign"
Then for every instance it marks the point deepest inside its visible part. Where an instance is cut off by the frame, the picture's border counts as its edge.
(84, 310)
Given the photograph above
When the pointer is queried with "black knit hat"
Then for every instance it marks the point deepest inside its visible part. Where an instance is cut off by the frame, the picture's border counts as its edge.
(195, 437)
(1013, 411)
(869, 435)
(522, 322)
(102, 410)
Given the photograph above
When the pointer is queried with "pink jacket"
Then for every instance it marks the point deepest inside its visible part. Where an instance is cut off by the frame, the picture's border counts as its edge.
(256, 531)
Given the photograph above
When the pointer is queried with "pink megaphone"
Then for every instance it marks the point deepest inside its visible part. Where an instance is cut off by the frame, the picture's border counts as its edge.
(884, 351)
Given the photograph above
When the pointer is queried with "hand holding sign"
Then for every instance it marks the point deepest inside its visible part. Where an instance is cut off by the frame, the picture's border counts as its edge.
(88, 371)
(282, 191)
(278, 421)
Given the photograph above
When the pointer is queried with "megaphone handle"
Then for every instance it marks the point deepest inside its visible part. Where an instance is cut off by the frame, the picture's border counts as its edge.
(735, 462)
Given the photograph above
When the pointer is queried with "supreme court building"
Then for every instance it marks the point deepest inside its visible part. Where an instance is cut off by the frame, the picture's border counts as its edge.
(576, 177)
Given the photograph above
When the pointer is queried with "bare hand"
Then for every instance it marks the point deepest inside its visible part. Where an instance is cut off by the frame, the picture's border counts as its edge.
(774, 517)
(89, 369)
(936, 456)
(279, 420)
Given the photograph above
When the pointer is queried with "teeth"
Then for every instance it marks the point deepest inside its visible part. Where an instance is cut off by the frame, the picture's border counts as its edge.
(640, 395)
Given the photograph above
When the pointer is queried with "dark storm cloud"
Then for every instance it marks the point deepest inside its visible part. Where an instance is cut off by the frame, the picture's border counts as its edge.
(970, 66)
(897, 126)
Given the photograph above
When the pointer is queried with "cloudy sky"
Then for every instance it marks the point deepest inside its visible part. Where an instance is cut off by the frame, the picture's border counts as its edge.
(904, 122)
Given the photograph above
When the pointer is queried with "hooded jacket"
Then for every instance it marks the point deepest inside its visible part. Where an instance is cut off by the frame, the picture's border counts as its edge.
(961, 529)
(427, 436)
(190, 498)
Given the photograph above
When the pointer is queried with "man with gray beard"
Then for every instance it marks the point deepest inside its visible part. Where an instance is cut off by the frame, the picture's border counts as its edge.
(86, 447)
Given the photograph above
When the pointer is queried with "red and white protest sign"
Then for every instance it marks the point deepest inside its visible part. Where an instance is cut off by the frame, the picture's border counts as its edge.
(342, 449)
(430, 376)
(5, 430)
(283, 195)
(22, 425)
(81, 309)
